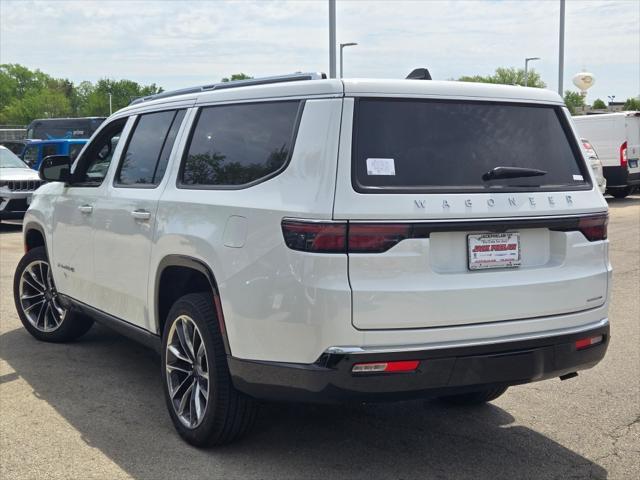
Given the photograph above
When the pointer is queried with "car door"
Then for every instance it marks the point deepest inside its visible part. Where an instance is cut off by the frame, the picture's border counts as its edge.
(73, 230)
(125, 217)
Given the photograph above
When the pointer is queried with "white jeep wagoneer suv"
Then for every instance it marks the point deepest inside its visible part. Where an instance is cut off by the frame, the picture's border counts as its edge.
(303, 239)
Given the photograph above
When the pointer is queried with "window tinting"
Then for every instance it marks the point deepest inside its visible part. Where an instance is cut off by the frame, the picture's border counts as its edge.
(449, 145)
(93, 165)
(147, 143)
(168, 146)
(239, 144)
(74, 150)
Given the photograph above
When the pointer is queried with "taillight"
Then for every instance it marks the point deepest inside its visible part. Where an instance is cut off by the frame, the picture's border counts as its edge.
(594, 228)
(375, 238)
(318, 237)
(331, 237)
(623, 155)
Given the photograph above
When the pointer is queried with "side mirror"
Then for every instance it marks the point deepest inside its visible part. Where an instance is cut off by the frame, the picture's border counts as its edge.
(55, 168)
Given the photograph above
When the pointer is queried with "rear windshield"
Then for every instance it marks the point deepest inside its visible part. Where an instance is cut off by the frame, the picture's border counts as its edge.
(409, 145)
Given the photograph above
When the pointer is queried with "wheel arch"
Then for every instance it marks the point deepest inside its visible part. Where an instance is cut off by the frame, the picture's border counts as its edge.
(34, 236)
(192, 275)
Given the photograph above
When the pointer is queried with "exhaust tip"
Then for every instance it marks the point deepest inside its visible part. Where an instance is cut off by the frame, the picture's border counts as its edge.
(568, 376)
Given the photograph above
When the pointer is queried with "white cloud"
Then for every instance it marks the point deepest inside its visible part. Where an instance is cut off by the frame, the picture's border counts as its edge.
(175, 44)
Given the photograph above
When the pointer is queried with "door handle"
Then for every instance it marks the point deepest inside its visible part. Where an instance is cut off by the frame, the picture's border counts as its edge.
(141, 214)
(86, 209)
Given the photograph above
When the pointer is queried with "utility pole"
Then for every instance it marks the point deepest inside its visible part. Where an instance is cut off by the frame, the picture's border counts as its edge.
(110, 105)
(526, 68)
(342, 45)
(332, 38)
(561, 52)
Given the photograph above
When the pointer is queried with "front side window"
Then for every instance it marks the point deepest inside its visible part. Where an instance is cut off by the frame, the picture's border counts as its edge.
(74, 150)
(93, 165)
(30, 155)
(49, 150)
(235, 145)
(145, 158)
(451, 146)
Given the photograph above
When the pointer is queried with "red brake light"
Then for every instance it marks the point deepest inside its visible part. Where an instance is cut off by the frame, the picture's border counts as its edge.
(320, 237)
(623, 155)
(376, 238)
(594, 228)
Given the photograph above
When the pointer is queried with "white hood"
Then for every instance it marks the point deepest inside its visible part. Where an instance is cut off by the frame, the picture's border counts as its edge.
(18, 174)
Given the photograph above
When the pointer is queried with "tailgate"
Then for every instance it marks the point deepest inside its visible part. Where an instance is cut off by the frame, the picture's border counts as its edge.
(427, 282)
(412, 186)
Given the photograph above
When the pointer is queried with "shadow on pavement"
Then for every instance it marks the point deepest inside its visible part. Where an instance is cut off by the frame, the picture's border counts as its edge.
(629, 201)
(108, 388)
(7, 226)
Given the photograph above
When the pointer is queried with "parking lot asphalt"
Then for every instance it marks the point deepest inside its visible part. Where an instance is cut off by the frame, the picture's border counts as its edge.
(94, 410)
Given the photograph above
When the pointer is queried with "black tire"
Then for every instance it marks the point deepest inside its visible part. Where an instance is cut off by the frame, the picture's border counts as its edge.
(475, 398)
(71, 326)
(228, 414)
(620, 192)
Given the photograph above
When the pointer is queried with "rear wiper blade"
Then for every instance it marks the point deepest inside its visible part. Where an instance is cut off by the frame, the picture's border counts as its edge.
(512, 172)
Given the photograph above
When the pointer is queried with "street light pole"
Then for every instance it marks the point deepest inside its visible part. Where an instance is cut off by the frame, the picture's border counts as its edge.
(526, 67)
(110, 105)
(342, 45)
(332, 38)
(561, 51)
(611, 99)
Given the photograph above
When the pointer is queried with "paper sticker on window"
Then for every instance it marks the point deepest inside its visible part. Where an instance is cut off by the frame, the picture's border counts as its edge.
(578, 178)
(381, 166)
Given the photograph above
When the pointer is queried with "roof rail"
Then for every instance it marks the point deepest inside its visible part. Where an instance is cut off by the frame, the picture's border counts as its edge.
(292, 77)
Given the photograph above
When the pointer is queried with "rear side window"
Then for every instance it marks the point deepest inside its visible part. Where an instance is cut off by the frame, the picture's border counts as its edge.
(145, 158)
(409, 145)
(235, 145)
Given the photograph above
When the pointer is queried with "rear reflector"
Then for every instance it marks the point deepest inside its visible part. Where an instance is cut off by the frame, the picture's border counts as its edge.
(588, 342)
(384, 367)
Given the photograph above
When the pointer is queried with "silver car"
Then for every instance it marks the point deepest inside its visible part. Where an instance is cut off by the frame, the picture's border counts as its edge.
(17, 184)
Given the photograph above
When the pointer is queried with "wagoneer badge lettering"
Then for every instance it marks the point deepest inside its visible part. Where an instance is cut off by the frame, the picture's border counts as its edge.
(511, 202)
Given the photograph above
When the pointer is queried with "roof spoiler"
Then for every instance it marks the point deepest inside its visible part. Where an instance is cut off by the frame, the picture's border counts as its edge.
(419, 74)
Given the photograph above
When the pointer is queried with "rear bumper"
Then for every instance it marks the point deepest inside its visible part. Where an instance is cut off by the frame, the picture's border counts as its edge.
(441, 371)
(618, 177)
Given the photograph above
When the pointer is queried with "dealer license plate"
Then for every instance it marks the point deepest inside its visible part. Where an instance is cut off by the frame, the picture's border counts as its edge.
(494, 250)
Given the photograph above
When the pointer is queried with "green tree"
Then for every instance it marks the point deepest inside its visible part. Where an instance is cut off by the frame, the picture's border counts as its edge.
(508, 76)
(598, 104)
(27, 94)
(632, 104)
(573, 100)
(36, 104)
(95, 98)
(237, 76)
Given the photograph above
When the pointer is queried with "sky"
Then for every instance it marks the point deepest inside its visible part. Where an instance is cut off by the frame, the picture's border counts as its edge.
(178, 44)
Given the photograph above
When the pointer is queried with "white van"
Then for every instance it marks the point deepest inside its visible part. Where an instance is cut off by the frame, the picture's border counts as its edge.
(616, 138)
(304, 239)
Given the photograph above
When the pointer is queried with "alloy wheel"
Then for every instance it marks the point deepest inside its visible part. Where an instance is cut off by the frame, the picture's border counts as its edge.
(187, 371)
(39, 298)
